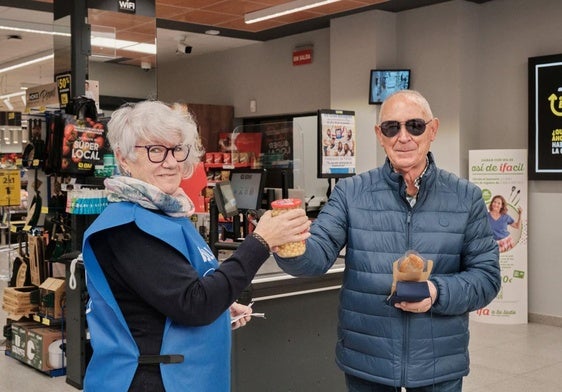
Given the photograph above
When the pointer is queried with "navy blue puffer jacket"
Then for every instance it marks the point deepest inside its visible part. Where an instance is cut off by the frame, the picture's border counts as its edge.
(370, 216)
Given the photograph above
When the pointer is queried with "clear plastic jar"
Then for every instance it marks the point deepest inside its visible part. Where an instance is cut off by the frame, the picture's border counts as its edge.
(290, 249)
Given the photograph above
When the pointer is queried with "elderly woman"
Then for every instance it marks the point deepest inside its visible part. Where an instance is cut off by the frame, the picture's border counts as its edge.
(158, 313)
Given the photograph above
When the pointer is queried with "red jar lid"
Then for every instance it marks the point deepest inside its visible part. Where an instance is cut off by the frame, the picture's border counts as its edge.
(286, 204)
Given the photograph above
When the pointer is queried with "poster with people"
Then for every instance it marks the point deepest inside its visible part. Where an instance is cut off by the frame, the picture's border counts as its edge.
(92, 91)
(502, 176)
(336, 139)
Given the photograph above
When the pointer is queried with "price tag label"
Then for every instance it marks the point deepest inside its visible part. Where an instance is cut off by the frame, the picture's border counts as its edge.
(10, 194)
(63, 86)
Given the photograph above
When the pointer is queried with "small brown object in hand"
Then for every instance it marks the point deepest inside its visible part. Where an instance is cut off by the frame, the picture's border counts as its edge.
(410, 268)
(411, 263)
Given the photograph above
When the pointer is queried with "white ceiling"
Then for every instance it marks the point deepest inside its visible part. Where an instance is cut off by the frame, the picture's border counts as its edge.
(194, 15)
(32, 45)
(167, 41)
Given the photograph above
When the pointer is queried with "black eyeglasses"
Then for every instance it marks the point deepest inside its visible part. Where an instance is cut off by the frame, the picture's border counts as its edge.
(157, 153)
(415, 127)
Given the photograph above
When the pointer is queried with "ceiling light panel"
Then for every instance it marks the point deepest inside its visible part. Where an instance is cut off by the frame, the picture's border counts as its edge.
(284, 9)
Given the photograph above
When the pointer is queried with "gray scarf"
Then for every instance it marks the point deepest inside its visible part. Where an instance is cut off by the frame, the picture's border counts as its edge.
(122, 188)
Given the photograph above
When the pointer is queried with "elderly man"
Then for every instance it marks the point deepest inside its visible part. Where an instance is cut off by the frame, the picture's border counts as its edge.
(408, 204)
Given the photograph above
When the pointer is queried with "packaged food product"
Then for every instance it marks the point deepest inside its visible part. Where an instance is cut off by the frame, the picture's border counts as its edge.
(291, 249)
(411, 267)
(225, 175)
(243, 157)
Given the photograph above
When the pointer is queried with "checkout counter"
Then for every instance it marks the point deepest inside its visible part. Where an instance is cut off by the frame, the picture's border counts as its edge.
(293, 348)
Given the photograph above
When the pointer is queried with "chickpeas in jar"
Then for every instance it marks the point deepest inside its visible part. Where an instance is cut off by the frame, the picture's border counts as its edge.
(290, 249)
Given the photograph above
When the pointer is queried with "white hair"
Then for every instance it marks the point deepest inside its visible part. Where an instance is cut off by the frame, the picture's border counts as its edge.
(153, 121)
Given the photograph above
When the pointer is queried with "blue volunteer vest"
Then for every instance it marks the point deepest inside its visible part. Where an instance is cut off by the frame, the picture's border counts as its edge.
(206, 350)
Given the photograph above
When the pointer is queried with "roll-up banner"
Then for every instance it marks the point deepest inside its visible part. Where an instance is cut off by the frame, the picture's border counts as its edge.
(502, 176)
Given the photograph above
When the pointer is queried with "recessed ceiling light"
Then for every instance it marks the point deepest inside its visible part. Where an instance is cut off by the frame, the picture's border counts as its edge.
(26, 63)
(45, 30)
(284, 9)
(212, 32)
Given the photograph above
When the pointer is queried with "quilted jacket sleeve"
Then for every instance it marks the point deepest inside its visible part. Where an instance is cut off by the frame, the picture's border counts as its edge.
(329, 235)
(479, 281)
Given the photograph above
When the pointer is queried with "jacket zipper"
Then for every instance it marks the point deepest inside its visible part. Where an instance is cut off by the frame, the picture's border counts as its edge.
(407, 324)
(406, 341)
(406, 346)
(408, 222)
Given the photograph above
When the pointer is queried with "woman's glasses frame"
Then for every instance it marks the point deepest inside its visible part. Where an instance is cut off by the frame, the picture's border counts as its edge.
(154, 150)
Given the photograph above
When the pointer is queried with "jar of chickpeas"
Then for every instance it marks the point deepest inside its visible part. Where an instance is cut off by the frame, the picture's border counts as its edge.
(290, 249)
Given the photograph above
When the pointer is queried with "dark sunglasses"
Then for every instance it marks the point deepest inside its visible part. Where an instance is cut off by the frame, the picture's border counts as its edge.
(415, 127)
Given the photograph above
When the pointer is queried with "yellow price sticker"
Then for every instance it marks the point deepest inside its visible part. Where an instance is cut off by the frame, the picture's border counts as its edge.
(10, 184)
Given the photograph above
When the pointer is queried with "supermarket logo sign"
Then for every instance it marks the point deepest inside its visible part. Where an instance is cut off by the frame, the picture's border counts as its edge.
(129, 6)
(206, 254)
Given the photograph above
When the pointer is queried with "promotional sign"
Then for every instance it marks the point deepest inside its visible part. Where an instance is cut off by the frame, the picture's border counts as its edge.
(11, 118)
(502, 176)
(545, 117)
(10, 188)
(336, 143)
(83, 147)
(41, 97)
(63, 82)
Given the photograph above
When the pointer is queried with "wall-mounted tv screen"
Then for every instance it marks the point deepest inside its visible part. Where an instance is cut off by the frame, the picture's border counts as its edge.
(387, 81)
(224, 197)
(247, 186)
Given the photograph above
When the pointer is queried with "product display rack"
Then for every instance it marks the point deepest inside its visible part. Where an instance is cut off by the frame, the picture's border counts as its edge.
(46, 320)
(226, 166)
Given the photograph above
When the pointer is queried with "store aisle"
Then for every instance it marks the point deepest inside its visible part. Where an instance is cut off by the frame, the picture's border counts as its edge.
(518, 358)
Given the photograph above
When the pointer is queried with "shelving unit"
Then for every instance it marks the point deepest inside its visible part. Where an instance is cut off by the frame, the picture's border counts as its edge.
(227, 166)
(46, 320)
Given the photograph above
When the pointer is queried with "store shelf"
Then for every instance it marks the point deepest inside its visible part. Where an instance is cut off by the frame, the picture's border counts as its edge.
(46, 320)
(226, 166)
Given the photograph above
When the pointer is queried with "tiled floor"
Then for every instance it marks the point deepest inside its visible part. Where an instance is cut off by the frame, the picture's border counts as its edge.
(510, 358)
(515, 358)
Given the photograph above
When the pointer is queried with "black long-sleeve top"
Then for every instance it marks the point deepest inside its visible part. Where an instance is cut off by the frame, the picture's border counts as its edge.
(152, 280)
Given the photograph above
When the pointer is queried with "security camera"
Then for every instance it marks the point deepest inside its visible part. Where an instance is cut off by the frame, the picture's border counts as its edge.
(184, 49)
(146, 66)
